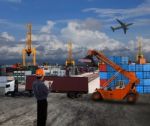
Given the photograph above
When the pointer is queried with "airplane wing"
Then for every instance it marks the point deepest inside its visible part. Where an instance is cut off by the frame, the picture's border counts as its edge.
(120, 22)
(129, 24)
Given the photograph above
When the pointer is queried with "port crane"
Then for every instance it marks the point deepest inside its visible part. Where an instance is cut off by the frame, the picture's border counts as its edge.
(129, 91)
(70, 61)
(28, 50)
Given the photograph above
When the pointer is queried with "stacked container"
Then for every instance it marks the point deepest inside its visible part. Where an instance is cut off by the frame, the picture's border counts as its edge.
(2, 70)
(142, 72)
(103, 74)
(21, 75)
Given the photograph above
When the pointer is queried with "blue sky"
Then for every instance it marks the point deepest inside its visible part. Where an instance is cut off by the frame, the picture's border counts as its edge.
(82, 21)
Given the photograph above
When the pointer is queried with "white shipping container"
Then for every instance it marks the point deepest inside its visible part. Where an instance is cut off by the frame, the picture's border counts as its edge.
(28, 72)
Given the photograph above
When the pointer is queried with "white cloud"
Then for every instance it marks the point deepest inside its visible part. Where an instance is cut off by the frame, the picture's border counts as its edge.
(110, 14)
(88, 38)
(7, 37)
(47, 28)
(54, 46)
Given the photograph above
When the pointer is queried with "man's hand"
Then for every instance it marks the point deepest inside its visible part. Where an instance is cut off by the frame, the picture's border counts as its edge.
(48, 84)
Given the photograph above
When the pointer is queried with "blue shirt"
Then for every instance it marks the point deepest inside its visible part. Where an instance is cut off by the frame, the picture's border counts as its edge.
(40, 90)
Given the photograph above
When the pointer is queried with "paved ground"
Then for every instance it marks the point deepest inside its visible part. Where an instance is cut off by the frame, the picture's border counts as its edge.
(21, 111)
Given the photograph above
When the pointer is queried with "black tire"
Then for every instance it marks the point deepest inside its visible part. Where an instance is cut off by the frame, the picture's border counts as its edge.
(71, 95)
(12, 94)
(78, 95)
(131, 98)
(96, 96)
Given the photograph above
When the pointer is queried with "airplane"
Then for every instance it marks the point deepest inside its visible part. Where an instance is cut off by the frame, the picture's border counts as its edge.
(124, 26)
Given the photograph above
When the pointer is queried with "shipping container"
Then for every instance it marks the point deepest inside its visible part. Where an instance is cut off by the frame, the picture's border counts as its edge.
(62, 84)
(132, 67)
(124, 60)
(146, 89)
(146, 81)
(146, 67)
(125, 67)
(103, 75)
(146, 75)
(103, 82)
(102, 67)
(139, 75)
(139, 67)
(140, 89)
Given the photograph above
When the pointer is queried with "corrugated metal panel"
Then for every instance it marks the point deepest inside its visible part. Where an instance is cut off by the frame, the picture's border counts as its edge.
(147, 89)
(131, 67)
(139, 75)
(103, 75)
(124, 60)
(62, 84)
(146, 82)
(146, 67)
(140, 89)
(102, 67)
(139, 67)
(146, 75)
(141, 82)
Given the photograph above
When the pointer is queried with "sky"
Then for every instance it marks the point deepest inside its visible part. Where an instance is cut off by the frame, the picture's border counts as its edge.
(86, 23)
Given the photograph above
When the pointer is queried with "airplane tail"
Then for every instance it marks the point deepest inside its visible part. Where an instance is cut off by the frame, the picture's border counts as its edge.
(113, 29)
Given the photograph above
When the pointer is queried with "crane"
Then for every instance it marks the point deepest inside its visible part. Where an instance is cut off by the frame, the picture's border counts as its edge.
(70, 61)
(28, 49)
(129, 91)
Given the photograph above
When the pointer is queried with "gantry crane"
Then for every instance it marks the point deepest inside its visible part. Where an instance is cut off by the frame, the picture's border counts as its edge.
(129, 91)
(28, 49)
(70, 61)
(140, 57)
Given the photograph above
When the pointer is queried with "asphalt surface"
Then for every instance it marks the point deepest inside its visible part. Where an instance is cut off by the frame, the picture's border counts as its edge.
(62, 111)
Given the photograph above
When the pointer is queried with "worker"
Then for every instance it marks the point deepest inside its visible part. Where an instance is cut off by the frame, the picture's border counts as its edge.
(41, 92)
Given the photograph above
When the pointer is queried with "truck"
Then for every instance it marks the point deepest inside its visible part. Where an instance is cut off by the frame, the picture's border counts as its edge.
(8, 85)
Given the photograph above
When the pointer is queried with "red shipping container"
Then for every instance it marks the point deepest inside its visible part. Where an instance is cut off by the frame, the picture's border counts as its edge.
(102, 82)
(102, 67)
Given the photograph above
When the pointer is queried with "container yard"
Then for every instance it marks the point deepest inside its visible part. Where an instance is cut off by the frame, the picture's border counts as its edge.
(74, 63)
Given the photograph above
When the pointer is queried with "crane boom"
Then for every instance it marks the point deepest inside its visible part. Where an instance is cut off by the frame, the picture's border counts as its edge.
(130, 75)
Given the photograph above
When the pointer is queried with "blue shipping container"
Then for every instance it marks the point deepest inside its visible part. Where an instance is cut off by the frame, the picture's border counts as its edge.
(131, 67)
(139, 67)
(103, 75)
(140, 89)
(146, 89)
(146, 82)
(109, 68)
(146, 67)
(125, 67)
(141, 82)
(139, 75)
(146, 75)
(124, 60)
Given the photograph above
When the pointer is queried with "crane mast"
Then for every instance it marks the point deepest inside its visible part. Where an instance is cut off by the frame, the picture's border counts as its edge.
(29, 39)
(28, 49)
(70, 61)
